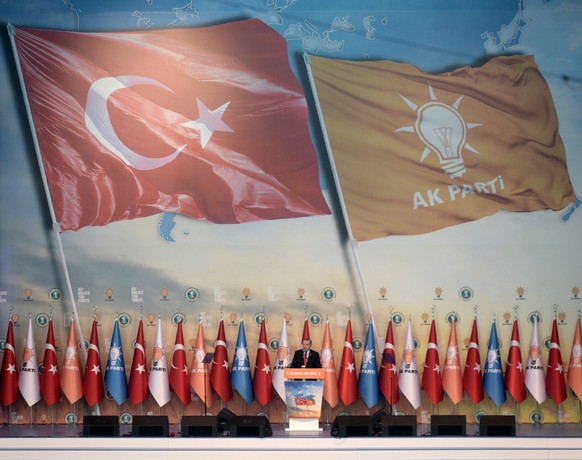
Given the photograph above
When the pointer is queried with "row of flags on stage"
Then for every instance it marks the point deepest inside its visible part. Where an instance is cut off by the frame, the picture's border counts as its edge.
(210, 373)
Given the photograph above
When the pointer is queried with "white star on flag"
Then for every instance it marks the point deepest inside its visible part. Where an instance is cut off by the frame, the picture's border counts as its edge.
(437, 369)
(53, 370)
(140, 368)
(477, 367)
(560, 368)
(225, 365)
(208, 122)
(11, 368)
(96, 369)
(351, 368)
(394, 369)
(266, 369)
(519, 367)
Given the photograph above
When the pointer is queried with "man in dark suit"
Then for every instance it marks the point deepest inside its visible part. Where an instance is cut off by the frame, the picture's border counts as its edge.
(306, 357)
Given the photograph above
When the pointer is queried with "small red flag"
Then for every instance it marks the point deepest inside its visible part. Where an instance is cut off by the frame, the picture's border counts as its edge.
(179, 372)
(305, 334)
(473, 377)
(138, 377)
(50, 388)
(262, 378)
(388, 377)
(93, 379)
(555, 372)
(347, 383)
(431, 376)
(514, 372)
(220, 371)
(9, 373)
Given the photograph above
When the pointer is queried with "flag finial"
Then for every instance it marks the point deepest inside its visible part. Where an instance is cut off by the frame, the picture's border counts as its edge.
(555, 307)
(515, 308)
(475, 310)
(141, 312)
(94, 312)
(432, 310)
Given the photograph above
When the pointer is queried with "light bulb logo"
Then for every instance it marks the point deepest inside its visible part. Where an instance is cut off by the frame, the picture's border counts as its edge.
(28, 294)
(164, 293)
(443, 131)
(109, 293)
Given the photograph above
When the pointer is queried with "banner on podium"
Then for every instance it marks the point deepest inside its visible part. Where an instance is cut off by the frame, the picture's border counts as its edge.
(303, 398)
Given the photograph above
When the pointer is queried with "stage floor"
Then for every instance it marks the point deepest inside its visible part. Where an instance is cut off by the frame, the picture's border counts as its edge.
(66, 442)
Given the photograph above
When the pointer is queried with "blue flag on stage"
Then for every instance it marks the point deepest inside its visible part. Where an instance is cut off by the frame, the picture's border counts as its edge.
(115, 373)
(368, 380)
(493, 374)
(240, 374)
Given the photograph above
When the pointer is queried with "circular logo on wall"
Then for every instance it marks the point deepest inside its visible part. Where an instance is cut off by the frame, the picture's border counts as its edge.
(453, 315)
(397, 319)
(55, 295)
(315, 319)
(126, 418)
(192, 294)
(531, 317)
(328, 294)
(41, 320)
(466, 293)
(124, 319)
(71, 418)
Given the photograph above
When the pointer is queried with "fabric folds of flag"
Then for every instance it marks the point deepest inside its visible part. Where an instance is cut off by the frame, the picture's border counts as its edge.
(181, 120)
(575, 364)
(220, 372)
(388, 378)
(199, 372)
(50, 389)
(555, 384)
(408, 376)
(368, 378)
(137, 389)
(534, 369)
(431, 375)
(115, 379)
(439, 159)
(347, 383)
(71, 380)
(493, 383)
(179, 370)
(330, 392)
(9, 373)
(282, 361)
(473, 377)
(514, 375)
(452, 377)
(28, 379)
(240, 374)
(93, 377)
(262, 378)
(158, 381)
(305, 334)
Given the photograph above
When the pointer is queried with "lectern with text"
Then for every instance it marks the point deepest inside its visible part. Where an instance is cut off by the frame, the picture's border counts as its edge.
(303, 395)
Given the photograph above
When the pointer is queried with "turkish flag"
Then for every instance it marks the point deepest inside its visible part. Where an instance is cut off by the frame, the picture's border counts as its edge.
(93, 379)
(388, 377)
(50, 388)
(262, 378)
(220, 372)
(9, 373)
(208, 122)
(138, 377)
(473, 376)
(431, 376)
(514, 371)
(555, 383)
(179, 372)
(346, 383)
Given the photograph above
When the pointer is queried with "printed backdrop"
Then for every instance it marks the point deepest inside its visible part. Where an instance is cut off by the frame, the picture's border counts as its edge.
(291, 242)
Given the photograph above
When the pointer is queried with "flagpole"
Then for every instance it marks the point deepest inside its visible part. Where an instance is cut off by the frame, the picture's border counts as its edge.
(55, 225)
(555, 307)
(352, 241)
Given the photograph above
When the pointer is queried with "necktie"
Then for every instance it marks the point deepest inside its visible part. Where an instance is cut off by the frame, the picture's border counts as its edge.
(305, 358)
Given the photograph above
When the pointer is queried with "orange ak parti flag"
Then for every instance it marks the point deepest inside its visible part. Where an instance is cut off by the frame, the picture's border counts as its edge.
(416, 152)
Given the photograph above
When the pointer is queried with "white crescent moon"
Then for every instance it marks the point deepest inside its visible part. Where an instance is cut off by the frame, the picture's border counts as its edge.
(99, 124)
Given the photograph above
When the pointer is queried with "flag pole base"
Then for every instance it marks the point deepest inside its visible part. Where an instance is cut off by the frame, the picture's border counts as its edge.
(303, 424)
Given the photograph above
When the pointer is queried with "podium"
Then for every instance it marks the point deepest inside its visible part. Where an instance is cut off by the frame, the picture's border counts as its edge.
(303, 397)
